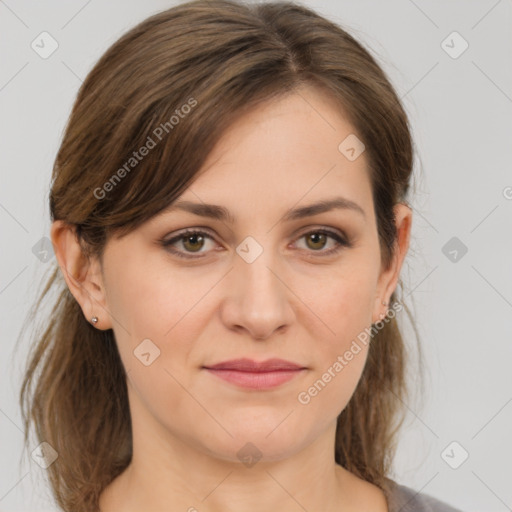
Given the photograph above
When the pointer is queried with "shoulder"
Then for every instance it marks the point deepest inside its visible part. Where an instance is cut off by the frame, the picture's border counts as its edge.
(406, 499)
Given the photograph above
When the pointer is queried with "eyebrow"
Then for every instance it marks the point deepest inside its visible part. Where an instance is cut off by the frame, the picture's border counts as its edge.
(223, 214)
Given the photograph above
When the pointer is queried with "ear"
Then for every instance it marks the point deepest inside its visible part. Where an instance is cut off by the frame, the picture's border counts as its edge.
(82, 274)
(388, 278)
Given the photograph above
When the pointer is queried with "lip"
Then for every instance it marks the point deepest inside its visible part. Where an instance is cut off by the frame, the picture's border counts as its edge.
(249, 365)
(252, 374)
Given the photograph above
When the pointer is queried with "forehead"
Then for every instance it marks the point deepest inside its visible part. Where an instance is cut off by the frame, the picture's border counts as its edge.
(283, 153)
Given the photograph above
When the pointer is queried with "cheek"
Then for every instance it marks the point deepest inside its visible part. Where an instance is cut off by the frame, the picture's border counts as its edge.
(344, 304)
(163, 307)
(340, 357)
(168, 308)
(152, 300)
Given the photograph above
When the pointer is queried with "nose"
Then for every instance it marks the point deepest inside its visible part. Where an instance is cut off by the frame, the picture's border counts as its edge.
(258, 300)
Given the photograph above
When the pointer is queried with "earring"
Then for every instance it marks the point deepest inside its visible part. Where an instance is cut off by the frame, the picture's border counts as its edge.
(94, 320)
(382, 315)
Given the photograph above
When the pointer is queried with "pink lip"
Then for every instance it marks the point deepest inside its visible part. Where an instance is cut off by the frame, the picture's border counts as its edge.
(248, 365)
(256, 375)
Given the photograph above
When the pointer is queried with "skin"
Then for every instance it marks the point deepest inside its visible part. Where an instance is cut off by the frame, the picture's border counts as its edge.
(290, 302)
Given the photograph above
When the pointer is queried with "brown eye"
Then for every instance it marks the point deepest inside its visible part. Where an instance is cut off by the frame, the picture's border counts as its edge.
(318, 240)
(187, 243)
(193, 242)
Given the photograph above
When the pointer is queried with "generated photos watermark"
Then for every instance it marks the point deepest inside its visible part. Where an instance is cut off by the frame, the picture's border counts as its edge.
(363, 338)
(151, 142)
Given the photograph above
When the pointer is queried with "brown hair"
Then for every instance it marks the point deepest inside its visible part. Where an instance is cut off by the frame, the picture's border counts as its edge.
(219, 58)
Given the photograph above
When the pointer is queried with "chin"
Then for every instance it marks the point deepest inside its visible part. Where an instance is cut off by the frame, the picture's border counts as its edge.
(249, 447)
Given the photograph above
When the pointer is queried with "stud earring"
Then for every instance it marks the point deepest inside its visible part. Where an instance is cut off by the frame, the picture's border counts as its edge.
(94, 320)
(382, 315)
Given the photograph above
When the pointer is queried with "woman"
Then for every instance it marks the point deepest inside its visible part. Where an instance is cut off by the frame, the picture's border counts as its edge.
(230, 220)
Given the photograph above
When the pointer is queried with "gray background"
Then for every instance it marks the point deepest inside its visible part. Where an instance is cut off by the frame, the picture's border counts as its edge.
(460, 109)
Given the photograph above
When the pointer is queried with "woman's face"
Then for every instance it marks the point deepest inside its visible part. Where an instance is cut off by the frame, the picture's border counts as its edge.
(268, 280)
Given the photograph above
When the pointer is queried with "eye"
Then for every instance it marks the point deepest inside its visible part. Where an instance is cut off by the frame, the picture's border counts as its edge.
(317, 240)
(191, 241)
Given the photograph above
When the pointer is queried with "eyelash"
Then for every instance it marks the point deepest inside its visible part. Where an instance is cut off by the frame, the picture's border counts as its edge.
(341, 242)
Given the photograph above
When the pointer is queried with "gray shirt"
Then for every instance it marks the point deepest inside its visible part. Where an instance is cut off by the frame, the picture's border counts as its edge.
(405, 499)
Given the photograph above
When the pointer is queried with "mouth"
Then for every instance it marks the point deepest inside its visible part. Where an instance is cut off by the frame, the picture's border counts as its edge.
(251, 374)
